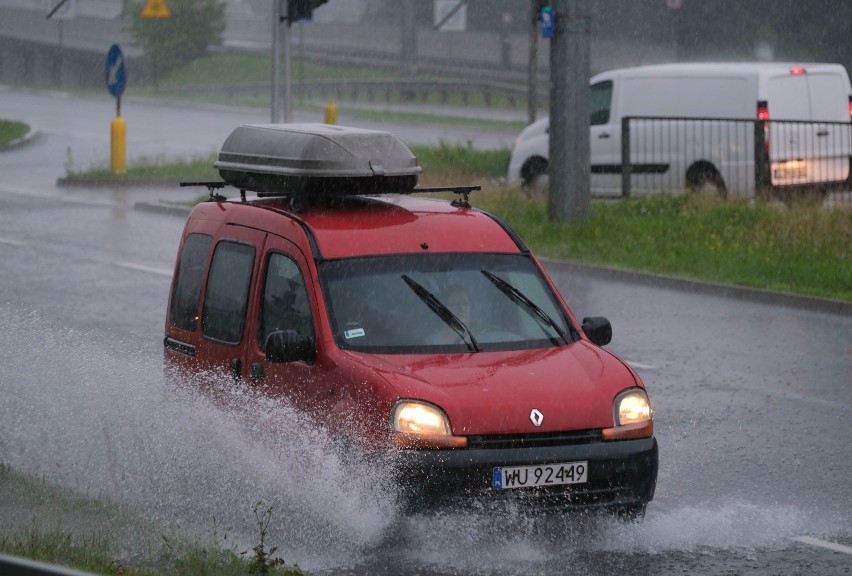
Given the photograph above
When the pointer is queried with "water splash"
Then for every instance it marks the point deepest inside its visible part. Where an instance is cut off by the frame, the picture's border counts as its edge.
(101, 418)
(98, 417)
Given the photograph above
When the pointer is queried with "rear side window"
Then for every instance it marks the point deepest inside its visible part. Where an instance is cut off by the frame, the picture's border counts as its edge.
(829, 99)
(187, 285)
(789, 98)
(285, 299)
(227, 292)
(601, 102)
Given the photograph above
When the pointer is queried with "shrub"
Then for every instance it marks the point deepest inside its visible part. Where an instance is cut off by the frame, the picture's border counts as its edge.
(194, 25)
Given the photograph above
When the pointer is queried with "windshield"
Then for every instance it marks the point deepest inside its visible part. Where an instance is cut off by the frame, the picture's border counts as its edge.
(441, 303)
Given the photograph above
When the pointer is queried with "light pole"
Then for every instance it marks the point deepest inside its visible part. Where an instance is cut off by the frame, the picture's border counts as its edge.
(570, 190)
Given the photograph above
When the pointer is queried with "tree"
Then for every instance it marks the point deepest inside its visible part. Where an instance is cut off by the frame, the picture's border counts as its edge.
(168, 43)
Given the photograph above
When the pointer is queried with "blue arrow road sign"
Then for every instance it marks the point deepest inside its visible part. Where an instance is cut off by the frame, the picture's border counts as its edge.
(115, 71)
(548, 23)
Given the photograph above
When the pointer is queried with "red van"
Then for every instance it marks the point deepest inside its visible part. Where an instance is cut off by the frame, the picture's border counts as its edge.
(406, 325)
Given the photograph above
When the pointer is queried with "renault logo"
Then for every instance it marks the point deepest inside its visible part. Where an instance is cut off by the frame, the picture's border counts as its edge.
(536, 417)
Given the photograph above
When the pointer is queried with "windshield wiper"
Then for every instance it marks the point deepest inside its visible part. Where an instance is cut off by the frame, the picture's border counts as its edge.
(443, 313)
(531, 307)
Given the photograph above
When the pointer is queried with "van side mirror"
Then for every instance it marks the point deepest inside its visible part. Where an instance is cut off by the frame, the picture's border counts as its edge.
(598, 329)
(290, 346)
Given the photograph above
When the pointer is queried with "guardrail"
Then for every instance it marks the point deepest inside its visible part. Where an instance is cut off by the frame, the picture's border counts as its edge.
(784, 159)
(391, 89)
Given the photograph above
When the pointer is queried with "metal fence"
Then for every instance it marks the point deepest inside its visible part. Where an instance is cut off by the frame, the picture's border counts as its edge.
(782, 159)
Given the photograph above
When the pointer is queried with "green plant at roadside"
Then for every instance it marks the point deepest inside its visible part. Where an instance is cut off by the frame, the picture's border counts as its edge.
(194, 25)
(263, 559)
(61, 547)
(460, 163)
(11, 130)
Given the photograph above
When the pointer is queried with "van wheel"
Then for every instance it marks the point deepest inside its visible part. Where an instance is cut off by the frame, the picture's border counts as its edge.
(533, 170)
(705, 180)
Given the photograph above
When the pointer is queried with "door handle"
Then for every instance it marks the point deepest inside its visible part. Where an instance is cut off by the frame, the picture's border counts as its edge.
(236, 369)
(822, 133)
(603, 135)
(257, 371)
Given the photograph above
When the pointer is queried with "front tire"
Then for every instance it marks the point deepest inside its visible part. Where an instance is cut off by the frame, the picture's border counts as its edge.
(705, 180)
(533, 170)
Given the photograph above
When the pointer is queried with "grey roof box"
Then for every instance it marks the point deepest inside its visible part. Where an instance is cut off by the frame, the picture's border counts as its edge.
(316, 159)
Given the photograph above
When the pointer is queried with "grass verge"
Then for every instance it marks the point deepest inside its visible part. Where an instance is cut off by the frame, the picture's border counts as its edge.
(151, 169)
(11, 130)
(801, 249)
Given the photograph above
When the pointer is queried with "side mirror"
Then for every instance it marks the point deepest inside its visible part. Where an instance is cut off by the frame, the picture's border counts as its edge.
(290, 346)
(598, 329)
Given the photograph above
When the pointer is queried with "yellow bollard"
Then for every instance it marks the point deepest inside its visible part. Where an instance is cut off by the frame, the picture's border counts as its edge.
(331, 112)
(118, 151)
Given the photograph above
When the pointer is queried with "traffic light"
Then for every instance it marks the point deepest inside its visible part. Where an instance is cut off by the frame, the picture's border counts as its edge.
(301, 9)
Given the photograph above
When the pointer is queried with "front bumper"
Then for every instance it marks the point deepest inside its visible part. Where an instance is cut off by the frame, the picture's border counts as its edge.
(622, 475)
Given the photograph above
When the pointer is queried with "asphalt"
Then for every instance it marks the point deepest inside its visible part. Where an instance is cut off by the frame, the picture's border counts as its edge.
(757, 295)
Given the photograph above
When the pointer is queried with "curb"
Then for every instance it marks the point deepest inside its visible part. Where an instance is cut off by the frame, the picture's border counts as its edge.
(160, 208)
(758, 295)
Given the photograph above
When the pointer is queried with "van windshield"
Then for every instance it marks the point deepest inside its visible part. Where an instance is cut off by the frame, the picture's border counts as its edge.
(601, 102)
(442, 303)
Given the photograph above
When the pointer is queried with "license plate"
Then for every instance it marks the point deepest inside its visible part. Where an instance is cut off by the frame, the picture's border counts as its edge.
(791, 172)
(510, 477)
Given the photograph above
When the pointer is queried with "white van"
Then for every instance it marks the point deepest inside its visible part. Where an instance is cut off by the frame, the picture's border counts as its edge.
(696, 127)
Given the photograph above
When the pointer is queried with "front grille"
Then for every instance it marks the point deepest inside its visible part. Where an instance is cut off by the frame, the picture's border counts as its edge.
(540, 440)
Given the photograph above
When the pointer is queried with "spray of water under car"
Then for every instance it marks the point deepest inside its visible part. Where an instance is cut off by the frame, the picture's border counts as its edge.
(100, 419)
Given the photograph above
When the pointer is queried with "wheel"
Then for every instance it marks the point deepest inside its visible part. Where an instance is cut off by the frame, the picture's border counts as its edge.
(533, 170)
(705, 180)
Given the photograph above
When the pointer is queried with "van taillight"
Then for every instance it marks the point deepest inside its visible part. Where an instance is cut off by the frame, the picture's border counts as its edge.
(763, 109)
(850, 107)
(763, 115)
(797, 70)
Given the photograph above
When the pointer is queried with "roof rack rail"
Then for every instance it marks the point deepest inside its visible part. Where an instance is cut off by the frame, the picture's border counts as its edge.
(464, 191)
(212, 186)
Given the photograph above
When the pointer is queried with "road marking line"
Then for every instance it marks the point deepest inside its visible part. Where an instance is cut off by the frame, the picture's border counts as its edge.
(11, 242)
(143, 268)
(823, 544)
(639, 365)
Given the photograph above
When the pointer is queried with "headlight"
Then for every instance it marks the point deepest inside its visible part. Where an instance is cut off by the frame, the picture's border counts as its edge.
(632, 416)
(632, 406)
(421, 425)
(420, 418)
